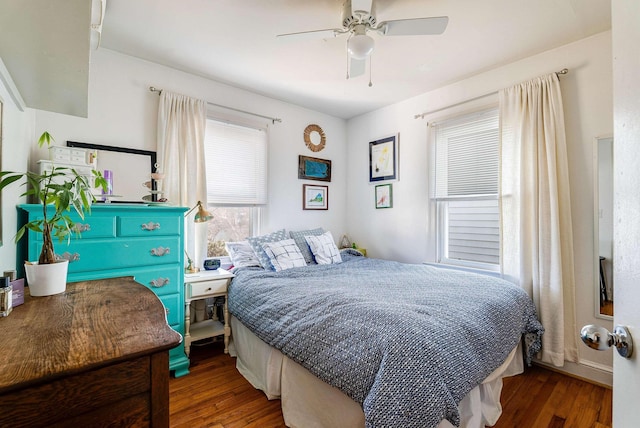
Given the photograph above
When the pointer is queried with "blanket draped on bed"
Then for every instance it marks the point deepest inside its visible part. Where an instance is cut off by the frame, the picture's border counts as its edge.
(408, 342)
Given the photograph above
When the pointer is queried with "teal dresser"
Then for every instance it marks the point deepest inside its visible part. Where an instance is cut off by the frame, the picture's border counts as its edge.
(146, 242)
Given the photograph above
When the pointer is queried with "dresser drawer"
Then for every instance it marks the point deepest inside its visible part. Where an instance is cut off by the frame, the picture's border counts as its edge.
(90, 227)
(162, 280)
(172, 304)
(81, 396)
(149, 225)
(87, 255)
(204, 288)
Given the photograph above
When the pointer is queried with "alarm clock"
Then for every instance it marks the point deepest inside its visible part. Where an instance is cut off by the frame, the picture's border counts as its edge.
(211, 264)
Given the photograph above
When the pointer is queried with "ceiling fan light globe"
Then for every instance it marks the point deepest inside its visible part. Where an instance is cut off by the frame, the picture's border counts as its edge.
(360, 46)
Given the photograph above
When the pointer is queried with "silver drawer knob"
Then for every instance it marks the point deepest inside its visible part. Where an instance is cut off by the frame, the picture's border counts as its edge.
(160, 251)
(160, 282)
(79, 227)
(150, 226)
(68, 256)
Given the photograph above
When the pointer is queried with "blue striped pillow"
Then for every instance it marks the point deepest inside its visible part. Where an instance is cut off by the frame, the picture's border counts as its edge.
(257, 241)
(298, 237)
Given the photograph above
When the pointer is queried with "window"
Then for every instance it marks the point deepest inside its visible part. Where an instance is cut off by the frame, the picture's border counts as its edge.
(236, 163)
(466, 190)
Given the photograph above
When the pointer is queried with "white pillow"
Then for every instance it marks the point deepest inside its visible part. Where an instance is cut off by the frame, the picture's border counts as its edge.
(284, 254)
(242, 254)
(324, 249)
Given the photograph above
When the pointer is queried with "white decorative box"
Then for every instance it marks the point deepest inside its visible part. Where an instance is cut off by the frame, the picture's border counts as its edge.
(72, 156)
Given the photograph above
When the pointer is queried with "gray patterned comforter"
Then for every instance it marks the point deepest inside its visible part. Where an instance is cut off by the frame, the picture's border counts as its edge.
(406, 341)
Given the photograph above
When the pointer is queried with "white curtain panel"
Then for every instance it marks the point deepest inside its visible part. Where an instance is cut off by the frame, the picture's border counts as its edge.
(537, 237)
(181, 127)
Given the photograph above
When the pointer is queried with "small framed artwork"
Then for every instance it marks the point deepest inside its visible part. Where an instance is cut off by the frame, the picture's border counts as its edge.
(384, 196)
(315, 197)
(383, 159)
(314, 168)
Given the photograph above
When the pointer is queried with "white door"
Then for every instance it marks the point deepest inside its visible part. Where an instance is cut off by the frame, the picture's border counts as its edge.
(626, 100)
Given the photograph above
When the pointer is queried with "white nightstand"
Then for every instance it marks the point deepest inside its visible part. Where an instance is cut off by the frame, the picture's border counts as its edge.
(202, 285)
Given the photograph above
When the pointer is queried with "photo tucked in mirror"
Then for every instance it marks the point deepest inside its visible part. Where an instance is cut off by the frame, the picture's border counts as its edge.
(604, 226)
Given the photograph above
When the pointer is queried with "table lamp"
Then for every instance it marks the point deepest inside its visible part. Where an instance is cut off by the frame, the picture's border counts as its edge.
(202, 216)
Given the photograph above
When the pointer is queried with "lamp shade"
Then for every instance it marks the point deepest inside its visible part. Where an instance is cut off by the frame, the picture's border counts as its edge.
(202, 216)
(360, 46)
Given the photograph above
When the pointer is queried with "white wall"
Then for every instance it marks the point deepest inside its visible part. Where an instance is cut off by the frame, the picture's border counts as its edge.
(406, 232)
(123, 112)
(17, 135)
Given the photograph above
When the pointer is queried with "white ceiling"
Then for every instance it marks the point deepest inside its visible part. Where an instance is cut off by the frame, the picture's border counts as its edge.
(45, 47)
(234, 42)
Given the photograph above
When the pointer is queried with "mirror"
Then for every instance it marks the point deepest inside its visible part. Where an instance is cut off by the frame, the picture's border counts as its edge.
(603, 236)
(1, 168)
(130, 167)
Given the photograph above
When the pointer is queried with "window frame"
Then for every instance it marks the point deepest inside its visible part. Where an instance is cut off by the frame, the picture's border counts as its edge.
(441, 204)
(256, 211)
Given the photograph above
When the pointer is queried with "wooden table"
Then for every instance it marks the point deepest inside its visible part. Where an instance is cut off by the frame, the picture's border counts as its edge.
(96, 355)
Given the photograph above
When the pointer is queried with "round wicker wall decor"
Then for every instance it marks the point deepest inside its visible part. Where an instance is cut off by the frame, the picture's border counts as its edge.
(307, 138)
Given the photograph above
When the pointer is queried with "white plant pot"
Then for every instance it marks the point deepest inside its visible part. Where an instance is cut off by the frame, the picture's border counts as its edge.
(46, 280)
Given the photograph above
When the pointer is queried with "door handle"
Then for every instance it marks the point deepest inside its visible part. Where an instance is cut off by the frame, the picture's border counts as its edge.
(601, 339)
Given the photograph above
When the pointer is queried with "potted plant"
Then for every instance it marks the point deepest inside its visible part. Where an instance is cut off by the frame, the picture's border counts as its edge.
(59, 190)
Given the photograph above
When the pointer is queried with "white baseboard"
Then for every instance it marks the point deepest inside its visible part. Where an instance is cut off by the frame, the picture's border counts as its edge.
(584, 369)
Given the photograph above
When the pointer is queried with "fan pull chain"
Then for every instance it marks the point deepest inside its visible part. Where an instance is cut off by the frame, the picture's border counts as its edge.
(370, 61)
(347, 64)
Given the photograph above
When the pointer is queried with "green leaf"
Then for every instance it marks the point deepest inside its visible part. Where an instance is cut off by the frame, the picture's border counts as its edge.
(20, 233)
(35, 226)
(6, 181)
(45, 138)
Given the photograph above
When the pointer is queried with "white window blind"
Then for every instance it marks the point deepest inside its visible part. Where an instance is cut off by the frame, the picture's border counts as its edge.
(467, 155)
(466, 189)
(236, 163)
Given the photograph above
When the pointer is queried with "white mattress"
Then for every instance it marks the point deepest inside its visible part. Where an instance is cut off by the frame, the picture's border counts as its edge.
(308, 402)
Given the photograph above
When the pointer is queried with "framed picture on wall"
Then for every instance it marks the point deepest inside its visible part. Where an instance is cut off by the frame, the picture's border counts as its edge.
(315, 197)
(383, 159)
(384, 196)
(314, 168)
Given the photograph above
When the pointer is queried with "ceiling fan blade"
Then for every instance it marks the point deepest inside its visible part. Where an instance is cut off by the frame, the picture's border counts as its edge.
(314, 34)
(414, 27)
(357, 67)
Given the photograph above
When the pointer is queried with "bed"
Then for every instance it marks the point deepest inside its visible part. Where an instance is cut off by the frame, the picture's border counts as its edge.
(378, 343)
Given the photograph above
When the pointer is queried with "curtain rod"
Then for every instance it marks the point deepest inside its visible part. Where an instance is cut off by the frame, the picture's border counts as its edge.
(422, 115)
(272, 119)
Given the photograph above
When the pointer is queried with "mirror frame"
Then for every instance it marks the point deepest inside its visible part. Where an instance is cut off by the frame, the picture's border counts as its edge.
(1, 165)
(596, 227)
(152, 162)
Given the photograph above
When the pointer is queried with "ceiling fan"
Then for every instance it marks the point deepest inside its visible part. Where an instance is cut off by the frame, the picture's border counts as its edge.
(358, 18)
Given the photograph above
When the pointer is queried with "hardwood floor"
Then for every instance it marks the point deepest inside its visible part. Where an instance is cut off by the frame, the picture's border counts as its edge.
(606, 308)
(215, 395)
(541, 398)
